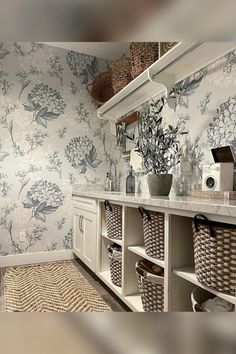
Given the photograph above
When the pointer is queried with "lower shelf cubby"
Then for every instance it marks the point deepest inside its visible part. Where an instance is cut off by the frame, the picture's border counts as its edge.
(112, 240)
(106, 278)
(131, 288)
(189, 275)
(134, 302)
(104, 267)
(179, 299)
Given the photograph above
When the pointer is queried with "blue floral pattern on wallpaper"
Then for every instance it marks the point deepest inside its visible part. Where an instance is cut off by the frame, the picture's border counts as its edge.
(209, 99)
(48, 141)
(43, 198)
(45, 103)
(222, 129)
(186, 88)
(51, 138)
(206, 110)
(82, 154)
(3, 52)
(83, 67)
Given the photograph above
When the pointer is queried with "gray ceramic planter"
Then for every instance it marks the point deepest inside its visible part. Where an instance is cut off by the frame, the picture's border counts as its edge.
(159, 185)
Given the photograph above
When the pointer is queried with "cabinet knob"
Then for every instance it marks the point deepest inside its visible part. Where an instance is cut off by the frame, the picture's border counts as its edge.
(79, 223)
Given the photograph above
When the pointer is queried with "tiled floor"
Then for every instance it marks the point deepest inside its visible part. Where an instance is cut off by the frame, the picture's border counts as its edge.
(108, 297)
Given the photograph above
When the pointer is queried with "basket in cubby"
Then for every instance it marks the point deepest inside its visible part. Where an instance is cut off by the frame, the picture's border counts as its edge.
(204, 301)
(198, 296)
(151, 289)
(115, 263)
(113, 220)
(215, 254)
(154, 230)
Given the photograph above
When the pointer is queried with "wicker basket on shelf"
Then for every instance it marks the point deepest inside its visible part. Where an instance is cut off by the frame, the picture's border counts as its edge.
(153, 229)
(113, 220)
(142, 55)
(101, 88)
(115, 262)
(215, 254)
(198, 296)
(120, 74)
(151, 289)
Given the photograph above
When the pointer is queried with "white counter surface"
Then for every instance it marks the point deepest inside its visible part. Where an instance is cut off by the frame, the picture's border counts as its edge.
(210, 206)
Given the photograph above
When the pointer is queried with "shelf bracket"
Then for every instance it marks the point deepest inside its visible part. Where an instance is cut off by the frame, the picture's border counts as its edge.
(111, 123)
(168, 82)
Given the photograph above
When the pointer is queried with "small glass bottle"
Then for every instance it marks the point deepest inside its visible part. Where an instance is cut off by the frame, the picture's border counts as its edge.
(130, 182)
(234, 177)
(108, 183)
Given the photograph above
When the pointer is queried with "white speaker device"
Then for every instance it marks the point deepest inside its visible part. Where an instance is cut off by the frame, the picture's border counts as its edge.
(220, 175)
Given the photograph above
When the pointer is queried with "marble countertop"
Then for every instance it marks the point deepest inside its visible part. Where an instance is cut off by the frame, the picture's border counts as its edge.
(210, 206)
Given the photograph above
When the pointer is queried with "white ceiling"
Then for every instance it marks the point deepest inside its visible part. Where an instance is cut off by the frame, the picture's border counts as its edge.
(107, 50)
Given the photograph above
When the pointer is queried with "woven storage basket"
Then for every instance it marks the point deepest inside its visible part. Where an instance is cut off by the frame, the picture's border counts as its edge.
(215, 254)
(142, 55)
(153, 229)
(113, 220)
(120, 74)
(101, 88)
(198, 296)
(115, 262)
(151, 289)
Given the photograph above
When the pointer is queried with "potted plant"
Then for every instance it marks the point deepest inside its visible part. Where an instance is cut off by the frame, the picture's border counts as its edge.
(159, 147)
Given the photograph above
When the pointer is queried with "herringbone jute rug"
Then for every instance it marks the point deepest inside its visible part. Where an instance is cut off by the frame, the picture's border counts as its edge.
(50, 287)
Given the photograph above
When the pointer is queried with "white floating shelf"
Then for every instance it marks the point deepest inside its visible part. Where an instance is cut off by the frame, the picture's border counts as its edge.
(181, 61)
(118, 242)
(188, 273)
(140, 250)
(133, 301)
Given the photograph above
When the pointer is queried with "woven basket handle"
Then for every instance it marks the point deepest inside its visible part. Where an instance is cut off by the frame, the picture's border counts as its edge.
(114, 254)
(140, 271)
(144, 211)
(107, 205)
(196, 307)
(197, 221)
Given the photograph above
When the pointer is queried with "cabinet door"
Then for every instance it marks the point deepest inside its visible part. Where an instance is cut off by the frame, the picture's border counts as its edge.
(89, 231)
(78, 235)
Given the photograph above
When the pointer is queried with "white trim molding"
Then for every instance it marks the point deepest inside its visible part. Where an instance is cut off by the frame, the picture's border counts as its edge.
(37, 257)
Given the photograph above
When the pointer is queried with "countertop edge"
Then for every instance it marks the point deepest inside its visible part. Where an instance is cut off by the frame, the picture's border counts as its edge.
(216, 207)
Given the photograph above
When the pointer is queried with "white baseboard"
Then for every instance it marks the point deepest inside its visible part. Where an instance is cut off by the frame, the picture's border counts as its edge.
(37, 257)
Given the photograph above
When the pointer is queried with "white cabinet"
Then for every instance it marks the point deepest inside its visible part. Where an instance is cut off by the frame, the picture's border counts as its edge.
(85, 234)
(78, 233)
(91, 242)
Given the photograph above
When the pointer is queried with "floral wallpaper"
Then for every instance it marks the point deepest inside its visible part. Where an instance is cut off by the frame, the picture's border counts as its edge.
(50, 138)
(206, 109)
